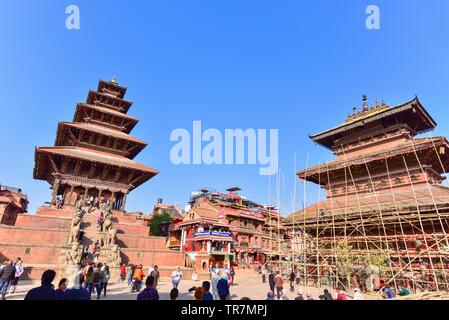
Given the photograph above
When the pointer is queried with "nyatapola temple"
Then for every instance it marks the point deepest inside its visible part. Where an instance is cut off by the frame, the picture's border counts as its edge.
(91, 171)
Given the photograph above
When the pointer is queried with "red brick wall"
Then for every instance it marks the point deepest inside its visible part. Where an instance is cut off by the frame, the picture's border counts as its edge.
(130, 241)
(152, 257)
(42, 221)
(29, 235)
(31, 255)
(132, 229)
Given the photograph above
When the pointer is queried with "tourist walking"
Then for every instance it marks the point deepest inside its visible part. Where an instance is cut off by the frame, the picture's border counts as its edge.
(264, 275)
(18, 272)
(156, 274)
(271, 281)
(279, 284)
(207, 295)
(176, 277)
(292, 280)
(105, 275)
(122, 273)
(45, 291)
(223, 287)
(214, 279)
(232, 275)
(7, 273)
(132, 268)
(96, 280)
(194, 276)
(88, 279)
(149, 293)
(62, 287)
(298, 276)
(138, 277)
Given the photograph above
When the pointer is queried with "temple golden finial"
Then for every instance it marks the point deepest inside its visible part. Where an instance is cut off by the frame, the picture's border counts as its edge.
(114, 80)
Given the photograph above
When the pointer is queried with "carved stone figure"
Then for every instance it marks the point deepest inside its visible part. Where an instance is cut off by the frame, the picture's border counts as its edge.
(74, 234)
(73, 255)
(79, 205)
(107, 224)
(62, 256)
(112, 237)
(78, 215)
(114, 256)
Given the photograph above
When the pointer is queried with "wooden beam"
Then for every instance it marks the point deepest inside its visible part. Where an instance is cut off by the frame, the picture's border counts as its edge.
(53, 165)
(92, 168)
(136, 179)
(117, 174)
(104, 172)
(77, 167)
(64, 165)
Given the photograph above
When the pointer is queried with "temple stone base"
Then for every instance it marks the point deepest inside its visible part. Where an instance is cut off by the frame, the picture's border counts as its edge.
(42, 240)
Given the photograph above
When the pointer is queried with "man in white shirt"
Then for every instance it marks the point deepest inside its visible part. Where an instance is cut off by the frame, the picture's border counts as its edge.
(176, 277)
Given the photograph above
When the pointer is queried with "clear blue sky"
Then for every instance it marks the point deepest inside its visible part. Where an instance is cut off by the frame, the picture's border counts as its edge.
(298, 66)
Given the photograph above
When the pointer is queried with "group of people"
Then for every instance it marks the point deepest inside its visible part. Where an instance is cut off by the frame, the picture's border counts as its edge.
(47, 291)
(277, 291)
(136, 276)
(91, 278)
(94, 277)
(10, 272)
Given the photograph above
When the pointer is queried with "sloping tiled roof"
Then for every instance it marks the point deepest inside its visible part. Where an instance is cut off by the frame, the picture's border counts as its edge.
(381, 201)
(97, 156)
(102, 130)
(415, 144)
(414, 104)
(107, 110)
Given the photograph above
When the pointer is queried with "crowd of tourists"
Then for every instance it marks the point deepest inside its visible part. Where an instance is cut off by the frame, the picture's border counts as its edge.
(277, 290)
(10, 272)
(93, 278)
(90, 279)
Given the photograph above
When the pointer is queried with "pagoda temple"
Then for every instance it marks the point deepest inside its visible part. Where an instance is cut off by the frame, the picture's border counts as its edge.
(385, 217)
(90, 170)
(93, 155)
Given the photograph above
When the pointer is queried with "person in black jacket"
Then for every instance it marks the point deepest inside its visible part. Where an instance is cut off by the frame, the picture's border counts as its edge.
(271, 280)
(292, 280)
(326, 295)
(7, 274)
(46, 291)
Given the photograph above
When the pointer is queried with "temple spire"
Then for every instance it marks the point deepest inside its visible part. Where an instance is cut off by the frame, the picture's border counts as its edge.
(365, 105)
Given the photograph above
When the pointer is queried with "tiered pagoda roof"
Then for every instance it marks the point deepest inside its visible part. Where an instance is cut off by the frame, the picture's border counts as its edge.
(96, 148)
(410, 113)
